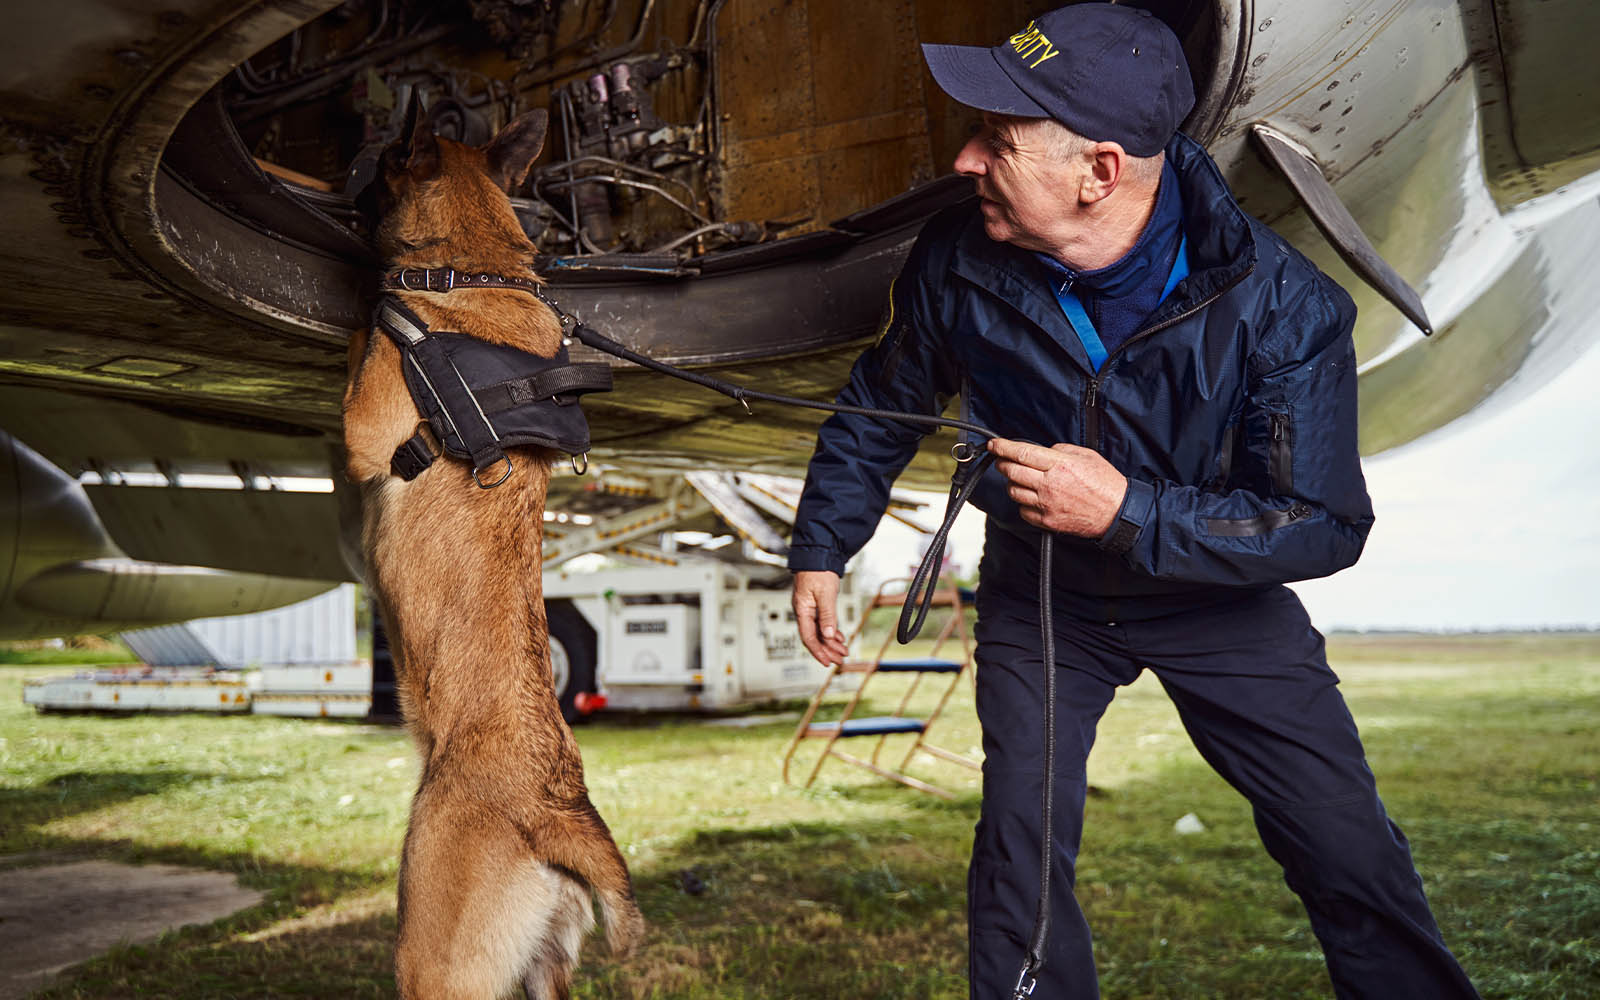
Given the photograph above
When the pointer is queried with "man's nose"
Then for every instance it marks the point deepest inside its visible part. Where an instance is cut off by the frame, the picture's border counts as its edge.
(970, 160)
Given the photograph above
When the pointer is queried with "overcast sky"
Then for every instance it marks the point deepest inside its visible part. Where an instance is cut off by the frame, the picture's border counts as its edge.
(1493, 522)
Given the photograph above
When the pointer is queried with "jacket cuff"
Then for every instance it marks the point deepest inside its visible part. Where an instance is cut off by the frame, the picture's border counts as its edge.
(815, 557)
(1137, 504)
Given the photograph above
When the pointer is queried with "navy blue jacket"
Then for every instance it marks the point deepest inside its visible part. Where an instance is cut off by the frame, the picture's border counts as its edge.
(1232, 410)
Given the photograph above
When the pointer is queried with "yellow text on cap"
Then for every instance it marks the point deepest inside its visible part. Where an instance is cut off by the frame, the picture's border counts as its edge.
(1031, 40)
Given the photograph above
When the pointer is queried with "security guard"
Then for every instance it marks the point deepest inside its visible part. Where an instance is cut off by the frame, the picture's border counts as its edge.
(1195, 380)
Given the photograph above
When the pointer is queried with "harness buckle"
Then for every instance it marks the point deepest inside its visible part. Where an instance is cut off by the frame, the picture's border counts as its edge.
(477, 475)
(414, 455)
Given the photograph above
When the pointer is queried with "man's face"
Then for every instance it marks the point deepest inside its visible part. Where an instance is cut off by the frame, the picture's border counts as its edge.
(1029, 191)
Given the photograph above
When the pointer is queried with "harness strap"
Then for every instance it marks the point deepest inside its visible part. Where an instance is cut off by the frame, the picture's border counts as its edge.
(471, 424)
(559, 384)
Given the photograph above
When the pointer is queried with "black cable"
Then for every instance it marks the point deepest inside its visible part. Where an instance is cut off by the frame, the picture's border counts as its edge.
(1033, 960)
(591, 338)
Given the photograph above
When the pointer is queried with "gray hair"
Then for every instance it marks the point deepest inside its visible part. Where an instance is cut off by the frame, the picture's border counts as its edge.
(1066, 145)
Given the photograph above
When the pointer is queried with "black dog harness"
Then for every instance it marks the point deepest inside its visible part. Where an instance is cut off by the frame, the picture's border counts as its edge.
(478, 398)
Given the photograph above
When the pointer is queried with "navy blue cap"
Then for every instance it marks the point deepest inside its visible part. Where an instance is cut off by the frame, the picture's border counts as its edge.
(1108, 72)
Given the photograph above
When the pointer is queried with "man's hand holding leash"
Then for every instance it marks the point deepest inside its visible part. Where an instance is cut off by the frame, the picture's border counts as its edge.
(1065, 489)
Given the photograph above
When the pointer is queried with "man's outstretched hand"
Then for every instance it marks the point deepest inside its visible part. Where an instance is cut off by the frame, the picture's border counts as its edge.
(816, 606)
(1064, 488)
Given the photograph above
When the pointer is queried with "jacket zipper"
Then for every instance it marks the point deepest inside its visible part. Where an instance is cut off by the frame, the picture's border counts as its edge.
(1091, 414)
(1091, 402)
(1279, 462)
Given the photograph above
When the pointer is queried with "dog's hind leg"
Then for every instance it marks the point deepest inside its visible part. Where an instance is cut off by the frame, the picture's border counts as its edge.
(474, 905)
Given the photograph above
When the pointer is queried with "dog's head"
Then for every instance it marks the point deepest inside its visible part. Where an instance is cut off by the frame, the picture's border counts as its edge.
(450, 198)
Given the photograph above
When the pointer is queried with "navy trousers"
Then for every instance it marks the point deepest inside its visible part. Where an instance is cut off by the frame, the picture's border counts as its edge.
(1250, 680)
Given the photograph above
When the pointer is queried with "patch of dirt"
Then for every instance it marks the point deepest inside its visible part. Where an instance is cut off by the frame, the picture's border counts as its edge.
(58, 915)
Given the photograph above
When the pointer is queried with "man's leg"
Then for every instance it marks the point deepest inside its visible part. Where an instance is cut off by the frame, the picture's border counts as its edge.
(1003, 880)
(1252, 684)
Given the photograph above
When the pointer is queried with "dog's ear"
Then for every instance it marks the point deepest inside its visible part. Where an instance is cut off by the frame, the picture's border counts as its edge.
(513, 151)
(423, 161)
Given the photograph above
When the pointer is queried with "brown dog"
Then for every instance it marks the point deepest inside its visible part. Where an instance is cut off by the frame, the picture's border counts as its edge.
(504, 847)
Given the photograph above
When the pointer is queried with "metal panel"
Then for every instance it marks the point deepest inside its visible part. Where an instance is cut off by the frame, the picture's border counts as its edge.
(170, 646)
(248, 531)
(321, 630)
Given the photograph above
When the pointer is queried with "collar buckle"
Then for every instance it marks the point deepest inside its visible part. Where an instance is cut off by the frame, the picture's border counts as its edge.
(421, 279)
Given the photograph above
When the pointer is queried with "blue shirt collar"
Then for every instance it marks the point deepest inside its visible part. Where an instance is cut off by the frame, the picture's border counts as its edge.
(1151, 252)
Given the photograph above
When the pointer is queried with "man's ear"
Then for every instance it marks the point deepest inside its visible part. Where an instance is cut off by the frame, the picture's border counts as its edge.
(513, 151)
(1107, 160)
(423, 161)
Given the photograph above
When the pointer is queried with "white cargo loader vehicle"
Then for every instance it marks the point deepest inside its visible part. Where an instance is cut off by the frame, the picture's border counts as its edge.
(699, 635)
(679, 625)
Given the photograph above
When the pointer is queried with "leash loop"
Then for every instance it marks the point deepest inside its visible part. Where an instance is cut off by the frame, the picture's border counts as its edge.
(919, 595)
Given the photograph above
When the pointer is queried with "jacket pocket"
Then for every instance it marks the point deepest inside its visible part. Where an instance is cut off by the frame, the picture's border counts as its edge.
(1280, 454)
(1269, 520)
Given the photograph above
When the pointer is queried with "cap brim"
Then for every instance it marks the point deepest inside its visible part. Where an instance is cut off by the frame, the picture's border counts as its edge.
(972, 75)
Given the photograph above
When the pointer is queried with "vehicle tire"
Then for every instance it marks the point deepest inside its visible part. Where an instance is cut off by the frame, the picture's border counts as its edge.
(572, 652)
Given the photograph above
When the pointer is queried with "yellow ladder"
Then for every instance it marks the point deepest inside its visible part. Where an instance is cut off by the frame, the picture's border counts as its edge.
(947, 597)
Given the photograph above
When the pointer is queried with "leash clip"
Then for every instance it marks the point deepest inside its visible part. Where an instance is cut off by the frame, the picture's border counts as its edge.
(1025, 985)
(566, 319)
(577, 468)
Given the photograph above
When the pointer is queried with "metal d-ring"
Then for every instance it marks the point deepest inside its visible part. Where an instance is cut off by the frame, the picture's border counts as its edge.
(503, 477)
(963, 452)
(577, 469)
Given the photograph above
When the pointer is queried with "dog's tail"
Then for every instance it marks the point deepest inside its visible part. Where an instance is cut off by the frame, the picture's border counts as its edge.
(583, 846)
(624, 923)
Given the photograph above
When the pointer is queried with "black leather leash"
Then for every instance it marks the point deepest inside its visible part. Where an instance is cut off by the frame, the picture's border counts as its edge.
(971, 463)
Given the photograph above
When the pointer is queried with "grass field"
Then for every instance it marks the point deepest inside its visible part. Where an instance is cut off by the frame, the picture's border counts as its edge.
(1486, 749)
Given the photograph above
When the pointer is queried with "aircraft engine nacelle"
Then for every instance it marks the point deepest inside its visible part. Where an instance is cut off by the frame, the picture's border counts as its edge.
(61, 573)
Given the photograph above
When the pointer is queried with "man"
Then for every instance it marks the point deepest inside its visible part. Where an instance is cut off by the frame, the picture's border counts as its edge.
(1195, 380)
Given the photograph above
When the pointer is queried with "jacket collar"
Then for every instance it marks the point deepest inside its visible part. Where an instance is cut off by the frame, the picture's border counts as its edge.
(1150, 251)
(1222, 250)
